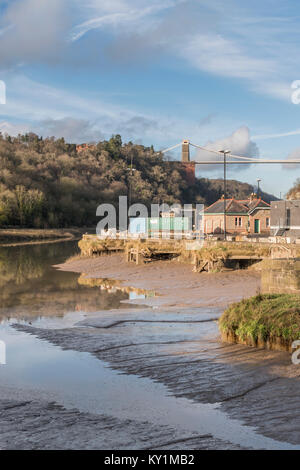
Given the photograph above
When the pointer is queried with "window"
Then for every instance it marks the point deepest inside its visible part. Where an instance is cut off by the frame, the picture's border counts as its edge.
(268, 222)
(238, 221)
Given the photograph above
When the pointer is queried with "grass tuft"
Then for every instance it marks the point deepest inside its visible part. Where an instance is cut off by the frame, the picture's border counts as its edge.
(264, 317)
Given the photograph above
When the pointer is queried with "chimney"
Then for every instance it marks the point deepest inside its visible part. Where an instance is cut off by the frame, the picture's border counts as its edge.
(185, 152)
(253, 196)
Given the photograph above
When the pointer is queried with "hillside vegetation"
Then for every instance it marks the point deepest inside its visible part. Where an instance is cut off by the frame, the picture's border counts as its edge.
(45, 183)
(294, 192)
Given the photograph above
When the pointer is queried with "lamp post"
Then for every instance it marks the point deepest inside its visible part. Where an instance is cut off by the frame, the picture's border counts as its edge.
(225, 152)
(131, 170)
(258, 181)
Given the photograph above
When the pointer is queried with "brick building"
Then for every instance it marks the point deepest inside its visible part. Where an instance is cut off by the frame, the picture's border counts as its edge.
(82, 147)
(247, 216)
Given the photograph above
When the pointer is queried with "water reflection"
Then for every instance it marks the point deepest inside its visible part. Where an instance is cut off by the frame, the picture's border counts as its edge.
(113, 285)
(30, 287)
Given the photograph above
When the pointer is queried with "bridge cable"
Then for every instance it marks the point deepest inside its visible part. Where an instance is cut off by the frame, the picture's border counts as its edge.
(248, 159)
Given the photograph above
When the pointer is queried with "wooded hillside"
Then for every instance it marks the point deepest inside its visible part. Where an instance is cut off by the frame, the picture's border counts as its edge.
(47, 183)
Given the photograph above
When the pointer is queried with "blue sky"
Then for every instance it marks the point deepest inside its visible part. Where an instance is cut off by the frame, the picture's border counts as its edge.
(218, 73)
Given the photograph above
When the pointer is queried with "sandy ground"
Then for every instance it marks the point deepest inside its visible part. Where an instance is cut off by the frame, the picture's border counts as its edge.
(175, 284)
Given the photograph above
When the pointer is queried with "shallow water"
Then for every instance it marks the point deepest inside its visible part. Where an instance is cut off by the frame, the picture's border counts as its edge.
(32, 290)
(36, 369)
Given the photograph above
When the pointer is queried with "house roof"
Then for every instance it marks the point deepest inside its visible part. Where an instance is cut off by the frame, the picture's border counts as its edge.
(235, 206)
(254, 203)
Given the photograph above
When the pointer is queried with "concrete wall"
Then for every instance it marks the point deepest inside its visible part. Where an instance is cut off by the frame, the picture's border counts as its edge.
(285, 215)
(280, 276)
(185, 151)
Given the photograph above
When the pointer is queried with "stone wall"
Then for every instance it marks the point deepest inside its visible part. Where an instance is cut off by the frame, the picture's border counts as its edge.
(280, 276)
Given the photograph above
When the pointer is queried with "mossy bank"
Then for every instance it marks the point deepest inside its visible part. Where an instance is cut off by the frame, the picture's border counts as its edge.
(271, 321)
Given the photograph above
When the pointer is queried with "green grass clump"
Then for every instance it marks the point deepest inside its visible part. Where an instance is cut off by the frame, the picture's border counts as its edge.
(264, 317)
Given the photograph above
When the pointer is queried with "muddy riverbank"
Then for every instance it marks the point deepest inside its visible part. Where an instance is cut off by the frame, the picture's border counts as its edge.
(175, 283)
(179, 344)
(14, 237)
(181, 377)
(155, 376)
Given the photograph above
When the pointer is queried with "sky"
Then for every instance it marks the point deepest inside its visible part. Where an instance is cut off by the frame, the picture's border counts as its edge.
(221, 74)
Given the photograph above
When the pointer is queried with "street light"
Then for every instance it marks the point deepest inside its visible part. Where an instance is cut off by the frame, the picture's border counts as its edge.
(225, 152)
(131, 170)
(258, 181)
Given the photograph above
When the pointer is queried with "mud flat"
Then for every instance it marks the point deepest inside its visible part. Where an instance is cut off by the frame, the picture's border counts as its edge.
(21, 236)
(152, 377)
(178, 344)
(179, 378)
(174, 283)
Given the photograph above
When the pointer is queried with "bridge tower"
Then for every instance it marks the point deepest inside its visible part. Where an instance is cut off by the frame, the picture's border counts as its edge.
(185, 151)
(186, 163)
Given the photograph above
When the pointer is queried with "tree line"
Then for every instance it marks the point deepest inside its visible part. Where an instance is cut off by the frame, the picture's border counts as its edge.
(46, 183)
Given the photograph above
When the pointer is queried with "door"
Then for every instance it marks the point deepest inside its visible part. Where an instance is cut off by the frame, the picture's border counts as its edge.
(256, 226)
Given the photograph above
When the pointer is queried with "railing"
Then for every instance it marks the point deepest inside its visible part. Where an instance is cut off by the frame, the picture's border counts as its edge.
(282, 251)
(159, 235)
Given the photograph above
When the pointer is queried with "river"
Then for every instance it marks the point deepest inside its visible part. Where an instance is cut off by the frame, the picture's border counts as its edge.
(77, 375)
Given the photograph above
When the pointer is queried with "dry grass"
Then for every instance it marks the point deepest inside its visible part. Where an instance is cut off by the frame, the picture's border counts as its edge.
(211, 251)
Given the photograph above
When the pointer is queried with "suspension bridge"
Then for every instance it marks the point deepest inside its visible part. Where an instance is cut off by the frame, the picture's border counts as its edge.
(226, 155)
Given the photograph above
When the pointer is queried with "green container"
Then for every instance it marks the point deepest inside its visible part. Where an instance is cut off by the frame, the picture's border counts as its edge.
(168, 224)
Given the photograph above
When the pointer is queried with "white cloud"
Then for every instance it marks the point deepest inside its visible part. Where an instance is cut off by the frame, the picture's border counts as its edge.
(275, 136)
(239, 143)
(231, 40)
(13, 129)
(48, 111)
(127, 15)
(32, 30)
(294, 155)
(71, 129)
(216, 54)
